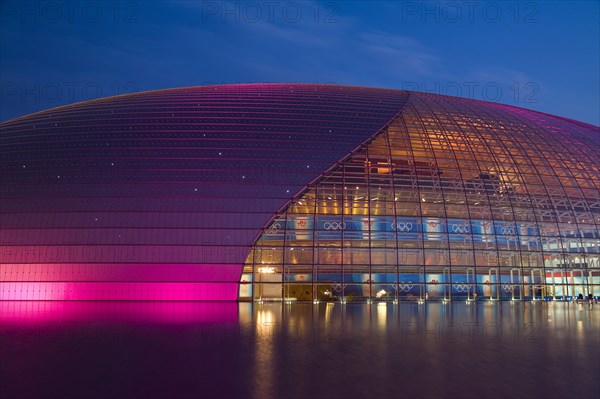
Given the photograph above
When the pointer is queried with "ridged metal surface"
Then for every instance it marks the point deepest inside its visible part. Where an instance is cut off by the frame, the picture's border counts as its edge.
(160, 195)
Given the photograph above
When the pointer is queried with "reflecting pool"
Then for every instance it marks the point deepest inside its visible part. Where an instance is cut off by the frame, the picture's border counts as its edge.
(274, 350)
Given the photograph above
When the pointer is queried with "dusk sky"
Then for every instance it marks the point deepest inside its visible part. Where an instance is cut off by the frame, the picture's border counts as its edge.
(538, 55)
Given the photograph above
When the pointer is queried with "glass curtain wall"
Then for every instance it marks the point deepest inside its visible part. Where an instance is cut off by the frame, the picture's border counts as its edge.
(451, 201)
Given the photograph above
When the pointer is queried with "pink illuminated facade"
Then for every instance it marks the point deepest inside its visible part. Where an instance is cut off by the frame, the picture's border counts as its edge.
(297, 192)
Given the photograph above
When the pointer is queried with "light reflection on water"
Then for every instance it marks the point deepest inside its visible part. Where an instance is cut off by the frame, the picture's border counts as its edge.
(271, 350)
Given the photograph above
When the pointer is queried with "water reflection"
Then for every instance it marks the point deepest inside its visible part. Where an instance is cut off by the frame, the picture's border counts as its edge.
(269, 350)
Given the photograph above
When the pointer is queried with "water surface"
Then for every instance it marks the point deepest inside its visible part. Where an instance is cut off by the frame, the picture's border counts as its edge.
(220, 350)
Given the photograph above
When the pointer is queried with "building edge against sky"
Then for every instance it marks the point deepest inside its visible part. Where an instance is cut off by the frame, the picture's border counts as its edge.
(297, 192)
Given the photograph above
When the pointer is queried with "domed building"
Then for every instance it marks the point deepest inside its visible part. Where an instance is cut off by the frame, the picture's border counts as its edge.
(297, 192)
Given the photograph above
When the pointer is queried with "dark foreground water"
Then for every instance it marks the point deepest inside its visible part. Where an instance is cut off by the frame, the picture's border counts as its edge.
(219, 350)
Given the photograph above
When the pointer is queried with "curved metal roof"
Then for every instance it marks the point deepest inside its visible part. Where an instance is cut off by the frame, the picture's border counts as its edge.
(191, 176)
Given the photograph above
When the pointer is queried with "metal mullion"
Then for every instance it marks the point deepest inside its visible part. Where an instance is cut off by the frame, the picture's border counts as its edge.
(369, 222)
(314, 266)
(391, 172)
(426, 139)
(406, 133)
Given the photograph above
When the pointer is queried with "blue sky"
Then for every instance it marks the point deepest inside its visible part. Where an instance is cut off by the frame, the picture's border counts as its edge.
(538, 55)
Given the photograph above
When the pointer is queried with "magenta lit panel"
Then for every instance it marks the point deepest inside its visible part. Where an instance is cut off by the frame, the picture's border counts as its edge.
(52, 314)
(118, 291)
(118, 272)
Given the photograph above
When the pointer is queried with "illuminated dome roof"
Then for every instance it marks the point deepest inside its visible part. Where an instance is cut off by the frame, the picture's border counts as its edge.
(173, 194)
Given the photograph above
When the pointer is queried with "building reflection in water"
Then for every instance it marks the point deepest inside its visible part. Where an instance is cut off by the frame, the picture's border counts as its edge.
(268, 350)
(269, 322)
